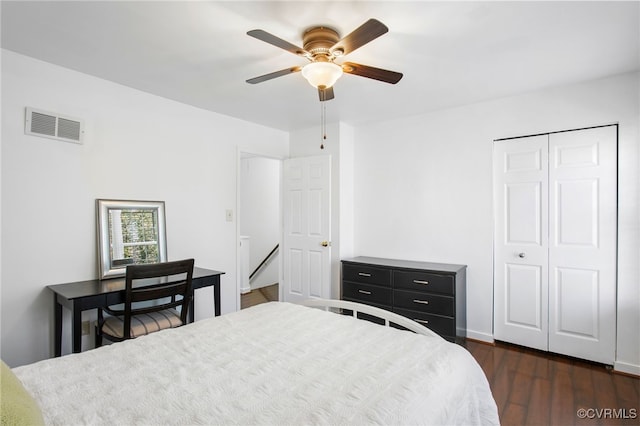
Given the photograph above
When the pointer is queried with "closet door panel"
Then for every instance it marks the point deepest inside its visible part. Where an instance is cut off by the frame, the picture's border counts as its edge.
(520, 241)
(524, 289)
(577, 296)
(523, 208)
(582, 243)
(576, 212)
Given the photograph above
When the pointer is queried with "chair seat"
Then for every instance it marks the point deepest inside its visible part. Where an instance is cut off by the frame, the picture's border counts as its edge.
(142, 324)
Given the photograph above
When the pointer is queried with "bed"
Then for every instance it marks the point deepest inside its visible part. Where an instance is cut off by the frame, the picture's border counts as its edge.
(276, 363)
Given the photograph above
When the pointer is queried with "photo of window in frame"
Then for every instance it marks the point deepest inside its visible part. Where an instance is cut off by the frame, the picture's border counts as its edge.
(129, 232)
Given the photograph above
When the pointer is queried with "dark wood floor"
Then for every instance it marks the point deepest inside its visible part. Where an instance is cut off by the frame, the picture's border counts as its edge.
(260, 295)
(537, 388)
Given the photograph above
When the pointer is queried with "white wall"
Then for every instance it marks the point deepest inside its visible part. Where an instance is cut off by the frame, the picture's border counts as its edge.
(423, 188)
(260, 215)
(137, 146)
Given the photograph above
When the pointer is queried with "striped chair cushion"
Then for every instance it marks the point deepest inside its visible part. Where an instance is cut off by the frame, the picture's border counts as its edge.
(142, 324)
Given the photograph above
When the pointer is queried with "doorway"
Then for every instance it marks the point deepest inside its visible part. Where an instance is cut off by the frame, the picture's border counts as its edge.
(259, 228)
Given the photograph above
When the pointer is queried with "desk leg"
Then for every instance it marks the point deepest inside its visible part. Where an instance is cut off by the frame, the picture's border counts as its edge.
(76, 328)
(57, 325)
(216, 297)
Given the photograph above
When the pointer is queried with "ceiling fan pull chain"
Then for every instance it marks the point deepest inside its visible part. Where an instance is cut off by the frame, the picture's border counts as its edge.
(321, 131)
(323, 124)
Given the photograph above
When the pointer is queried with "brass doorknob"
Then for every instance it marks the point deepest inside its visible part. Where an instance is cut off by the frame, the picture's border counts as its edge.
(325, 244)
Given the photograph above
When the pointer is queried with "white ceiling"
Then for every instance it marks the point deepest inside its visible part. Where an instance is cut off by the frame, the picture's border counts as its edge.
(451, 53)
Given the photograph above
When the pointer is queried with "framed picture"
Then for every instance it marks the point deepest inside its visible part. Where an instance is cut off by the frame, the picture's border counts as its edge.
(129, 233)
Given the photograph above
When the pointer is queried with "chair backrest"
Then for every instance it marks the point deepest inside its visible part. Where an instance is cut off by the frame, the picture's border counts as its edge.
(161, 284)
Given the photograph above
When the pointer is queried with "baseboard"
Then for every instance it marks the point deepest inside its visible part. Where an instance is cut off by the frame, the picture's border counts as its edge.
(623, 367)
(482, 337)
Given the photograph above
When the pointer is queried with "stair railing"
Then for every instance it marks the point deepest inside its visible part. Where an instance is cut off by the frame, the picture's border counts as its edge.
(264, 261)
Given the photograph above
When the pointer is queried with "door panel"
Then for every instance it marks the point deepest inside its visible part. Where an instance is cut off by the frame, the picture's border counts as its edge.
(524, 159)
(316, 274)
(307, 196)
(294, 267)
(520, 247)
(295, 212)
(523, 205)
(577, 298)
(524, 296)
(576, 211)
(582, 250)
(315, 212)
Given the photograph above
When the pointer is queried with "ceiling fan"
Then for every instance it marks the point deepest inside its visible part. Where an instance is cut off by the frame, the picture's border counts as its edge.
(322, 46)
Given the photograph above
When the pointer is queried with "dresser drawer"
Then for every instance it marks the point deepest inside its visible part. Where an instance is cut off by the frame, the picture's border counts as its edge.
(444, 326)
(424, 281)
(366, 274)
(368, 294)
(424, 302)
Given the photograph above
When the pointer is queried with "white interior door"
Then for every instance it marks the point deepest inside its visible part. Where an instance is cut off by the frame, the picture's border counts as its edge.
(521, 229)
(582, 243)
(307, 228)
(555, 242)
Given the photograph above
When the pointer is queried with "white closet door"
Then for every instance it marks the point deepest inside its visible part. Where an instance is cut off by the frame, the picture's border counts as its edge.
(582, 244)
(555, 242)
(521, 230)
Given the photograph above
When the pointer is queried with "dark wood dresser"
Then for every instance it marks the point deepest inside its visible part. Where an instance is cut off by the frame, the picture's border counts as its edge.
(433, 294)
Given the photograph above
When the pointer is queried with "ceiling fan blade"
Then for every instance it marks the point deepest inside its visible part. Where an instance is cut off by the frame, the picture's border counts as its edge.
(325, 94)
(278, 42)
(371, 72)
(272, 75)
(362, 35)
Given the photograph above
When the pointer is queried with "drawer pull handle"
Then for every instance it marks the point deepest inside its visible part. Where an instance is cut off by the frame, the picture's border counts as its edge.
(421, 321)
(364, 292)
(420, 282)
(364, 274)
(424, 302)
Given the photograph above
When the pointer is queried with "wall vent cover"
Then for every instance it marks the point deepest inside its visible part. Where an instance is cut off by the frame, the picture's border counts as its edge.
(53, 125)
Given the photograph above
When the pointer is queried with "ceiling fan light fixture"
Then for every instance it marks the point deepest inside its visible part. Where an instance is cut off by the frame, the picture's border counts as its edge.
(322, 73)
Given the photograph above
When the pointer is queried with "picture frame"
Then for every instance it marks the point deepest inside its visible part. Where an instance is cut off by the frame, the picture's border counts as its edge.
(129, 233)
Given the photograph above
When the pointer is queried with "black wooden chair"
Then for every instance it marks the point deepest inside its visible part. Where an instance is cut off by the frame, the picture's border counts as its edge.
(151, 302)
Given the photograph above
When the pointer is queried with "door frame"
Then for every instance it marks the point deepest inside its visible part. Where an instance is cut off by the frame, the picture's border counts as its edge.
(240, 153)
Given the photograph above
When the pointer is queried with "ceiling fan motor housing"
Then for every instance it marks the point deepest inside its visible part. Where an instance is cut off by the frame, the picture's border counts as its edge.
(318, 41)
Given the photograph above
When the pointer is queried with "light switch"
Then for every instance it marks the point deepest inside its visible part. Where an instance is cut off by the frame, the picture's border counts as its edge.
(229, 215)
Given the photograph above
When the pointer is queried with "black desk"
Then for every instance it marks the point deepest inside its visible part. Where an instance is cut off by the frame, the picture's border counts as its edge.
(84, 295)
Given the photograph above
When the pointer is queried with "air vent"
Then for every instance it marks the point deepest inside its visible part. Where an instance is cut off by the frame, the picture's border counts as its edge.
(54, 126)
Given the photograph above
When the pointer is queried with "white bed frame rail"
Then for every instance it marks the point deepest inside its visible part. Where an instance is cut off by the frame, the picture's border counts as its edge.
(388, 316)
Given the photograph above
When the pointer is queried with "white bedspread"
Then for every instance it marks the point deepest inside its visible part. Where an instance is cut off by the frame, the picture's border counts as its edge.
(276, 364)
